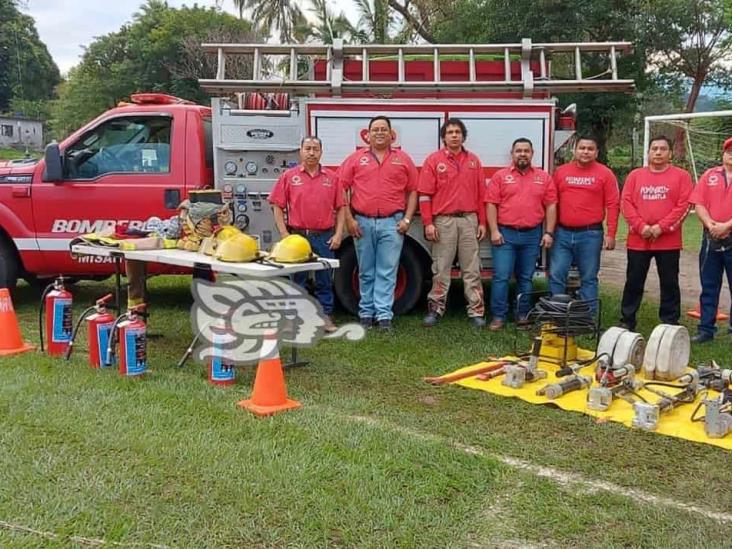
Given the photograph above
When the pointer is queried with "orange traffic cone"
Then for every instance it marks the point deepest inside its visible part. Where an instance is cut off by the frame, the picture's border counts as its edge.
(11, 342)
(696, 313)
(269, 394)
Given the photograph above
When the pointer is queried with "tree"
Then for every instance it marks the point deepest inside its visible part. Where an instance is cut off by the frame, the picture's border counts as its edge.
(27, 70)
(327, 25)
(281, 15)
(695, 41)
(159, 50)
(375, 21)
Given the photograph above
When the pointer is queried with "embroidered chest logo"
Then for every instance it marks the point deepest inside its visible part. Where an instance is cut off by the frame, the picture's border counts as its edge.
(297, 180)
(654, 192)
(472, 164)
(509, 179)
(713, 181)
(538, 180)
(441, 167)
(327, 182)
(363, 160)
(579, 181)
(396, 160)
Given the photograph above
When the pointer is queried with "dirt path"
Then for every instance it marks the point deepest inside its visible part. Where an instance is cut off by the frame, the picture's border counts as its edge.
(612, 272)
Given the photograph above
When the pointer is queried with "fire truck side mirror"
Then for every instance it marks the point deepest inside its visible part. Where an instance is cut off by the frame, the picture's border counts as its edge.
(54, 166)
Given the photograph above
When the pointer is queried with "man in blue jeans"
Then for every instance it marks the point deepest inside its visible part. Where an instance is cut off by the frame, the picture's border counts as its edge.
(518, 199)
(713, 199)
(382, 182)
(586, 190)
(313, 199)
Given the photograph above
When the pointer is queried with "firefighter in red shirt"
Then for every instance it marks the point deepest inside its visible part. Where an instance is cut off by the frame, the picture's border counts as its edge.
(518, 199)
(450, 189)
(313, 199)
(382, 182)
(587, 190)
(713, 200)
(654, 202)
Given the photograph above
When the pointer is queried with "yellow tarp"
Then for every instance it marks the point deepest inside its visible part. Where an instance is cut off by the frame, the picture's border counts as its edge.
(675, 423)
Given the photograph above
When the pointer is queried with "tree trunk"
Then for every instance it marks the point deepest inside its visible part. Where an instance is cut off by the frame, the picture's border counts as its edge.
(680, 135)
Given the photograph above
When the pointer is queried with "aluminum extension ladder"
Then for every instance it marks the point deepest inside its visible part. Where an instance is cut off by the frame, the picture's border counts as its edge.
(292, 57)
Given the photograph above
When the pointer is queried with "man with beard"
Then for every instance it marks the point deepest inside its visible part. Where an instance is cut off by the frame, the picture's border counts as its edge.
(519, 198)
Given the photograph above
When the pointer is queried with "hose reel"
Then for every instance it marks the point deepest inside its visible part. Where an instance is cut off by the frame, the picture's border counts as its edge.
(667, 352)
(622, 347)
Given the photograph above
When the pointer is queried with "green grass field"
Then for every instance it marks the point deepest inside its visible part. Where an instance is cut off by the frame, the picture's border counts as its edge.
(11, 154)
(375, 458)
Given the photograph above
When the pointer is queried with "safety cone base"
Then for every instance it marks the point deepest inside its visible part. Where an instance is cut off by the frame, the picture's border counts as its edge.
(268, 410)
(22, 349)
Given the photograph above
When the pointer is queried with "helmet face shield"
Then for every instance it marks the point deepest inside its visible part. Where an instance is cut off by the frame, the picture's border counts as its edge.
(292, 249)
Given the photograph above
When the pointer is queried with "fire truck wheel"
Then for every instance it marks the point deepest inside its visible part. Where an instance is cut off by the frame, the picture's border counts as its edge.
(409, 286)
(8, 266)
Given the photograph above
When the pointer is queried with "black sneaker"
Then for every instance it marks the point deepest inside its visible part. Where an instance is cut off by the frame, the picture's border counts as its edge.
(385, 325)
(702, 338)
(477, 321)
(366, 322)
(430, 320)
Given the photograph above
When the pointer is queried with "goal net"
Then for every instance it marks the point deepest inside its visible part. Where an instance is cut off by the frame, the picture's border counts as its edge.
(697, 138)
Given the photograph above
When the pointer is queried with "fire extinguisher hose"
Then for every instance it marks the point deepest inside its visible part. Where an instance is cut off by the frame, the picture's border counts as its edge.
(42, 310)
(86, 313)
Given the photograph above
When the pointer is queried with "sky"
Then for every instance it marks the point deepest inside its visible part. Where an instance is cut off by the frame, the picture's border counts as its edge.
(67, 25)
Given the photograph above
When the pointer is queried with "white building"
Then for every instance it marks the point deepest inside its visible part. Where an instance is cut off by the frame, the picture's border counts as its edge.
(20, 132)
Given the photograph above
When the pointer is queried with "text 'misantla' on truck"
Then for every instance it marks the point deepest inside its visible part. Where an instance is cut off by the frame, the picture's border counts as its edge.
(142, 158)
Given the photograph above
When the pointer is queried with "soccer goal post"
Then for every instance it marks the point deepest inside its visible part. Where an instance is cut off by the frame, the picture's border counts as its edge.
(697, 137)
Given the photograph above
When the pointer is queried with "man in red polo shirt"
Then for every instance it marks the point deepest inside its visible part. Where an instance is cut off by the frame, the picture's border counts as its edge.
(713, 199)
(314, 202)
(654, 202)
(382, 182)
(450, 189)
(518, 198)
(586, 190)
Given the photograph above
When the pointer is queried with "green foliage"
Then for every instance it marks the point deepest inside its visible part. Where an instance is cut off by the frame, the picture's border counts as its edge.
(159, 50)
(27, 71)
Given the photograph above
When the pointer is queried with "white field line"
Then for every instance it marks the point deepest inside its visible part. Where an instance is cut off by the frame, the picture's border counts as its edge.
(560, 477)
(74, 539)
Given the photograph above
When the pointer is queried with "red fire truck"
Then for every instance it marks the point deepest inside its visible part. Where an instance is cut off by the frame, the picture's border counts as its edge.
(142, 158)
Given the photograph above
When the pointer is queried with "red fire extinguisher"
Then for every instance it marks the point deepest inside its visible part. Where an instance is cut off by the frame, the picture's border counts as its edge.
(99, 329)
(131, 333)
(56, 303)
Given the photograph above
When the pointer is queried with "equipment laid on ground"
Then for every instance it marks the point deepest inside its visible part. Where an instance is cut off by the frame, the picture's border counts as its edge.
(492, 367)
(646, 414)
(131, 332)
(518, 373)
(56, 307)
(99, 328)
(667, 352)
(713, 377)
(572, 383)
(622, 347)
(718, 418)
(613, 382)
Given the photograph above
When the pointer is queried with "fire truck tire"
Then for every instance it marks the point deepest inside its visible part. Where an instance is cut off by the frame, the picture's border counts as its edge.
(8, 265)
(410, 283)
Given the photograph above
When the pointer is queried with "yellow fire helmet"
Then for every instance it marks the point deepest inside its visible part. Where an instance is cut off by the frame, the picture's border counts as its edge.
(292, 249)
(239, 248)
(225, 232)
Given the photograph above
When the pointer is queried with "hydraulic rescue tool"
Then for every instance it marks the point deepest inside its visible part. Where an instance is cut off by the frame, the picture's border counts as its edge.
(612, 382)
(518, 373)
(718, 418)
(572, 383)
(99, 328)
(646, 414)
(56, 307)
(713, 377)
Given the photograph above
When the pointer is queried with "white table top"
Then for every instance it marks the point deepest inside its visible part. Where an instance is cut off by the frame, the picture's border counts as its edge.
(183, 258)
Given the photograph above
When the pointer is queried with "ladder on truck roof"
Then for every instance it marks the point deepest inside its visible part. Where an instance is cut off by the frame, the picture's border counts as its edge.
(531, 56)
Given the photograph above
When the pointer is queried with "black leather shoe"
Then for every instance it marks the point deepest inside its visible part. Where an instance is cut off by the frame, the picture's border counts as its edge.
(385, 325)
(366, 322)
(702, 338)
(430, 320)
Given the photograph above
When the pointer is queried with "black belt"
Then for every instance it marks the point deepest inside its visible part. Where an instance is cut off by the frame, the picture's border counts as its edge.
(308, 232)
(455, 214)
(521, 229)
(593, 227)
(377, 216)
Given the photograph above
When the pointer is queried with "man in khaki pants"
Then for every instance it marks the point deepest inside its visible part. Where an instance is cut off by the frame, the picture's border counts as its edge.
(451, 190)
